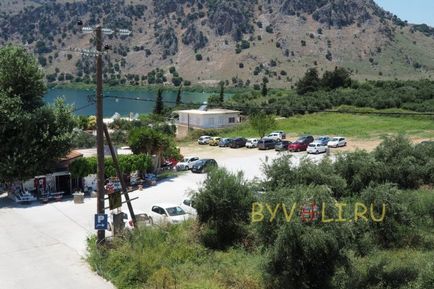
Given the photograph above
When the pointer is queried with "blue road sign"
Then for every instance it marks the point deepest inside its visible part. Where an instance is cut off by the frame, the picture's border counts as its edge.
(101, 221)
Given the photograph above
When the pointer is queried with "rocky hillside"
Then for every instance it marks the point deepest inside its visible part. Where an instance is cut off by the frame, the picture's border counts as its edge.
(206, 41)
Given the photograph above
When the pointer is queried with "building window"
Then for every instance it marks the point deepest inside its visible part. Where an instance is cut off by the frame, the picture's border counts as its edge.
(232, 120)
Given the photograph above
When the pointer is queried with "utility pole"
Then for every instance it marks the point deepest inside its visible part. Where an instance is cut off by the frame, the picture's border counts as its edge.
(98, 32)
(99, 131)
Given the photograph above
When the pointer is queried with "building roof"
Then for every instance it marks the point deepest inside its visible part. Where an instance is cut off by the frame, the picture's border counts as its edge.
(71, 156)
(209, 111)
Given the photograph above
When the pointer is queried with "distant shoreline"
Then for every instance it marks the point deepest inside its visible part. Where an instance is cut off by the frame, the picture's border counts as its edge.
(151, 87)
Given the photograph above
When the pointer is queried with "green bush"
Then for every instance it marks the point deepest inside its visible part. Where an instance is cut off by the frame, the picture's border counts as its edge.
(359, 169)
(223, 205)
(83, 140)
(400, 165)
(397, 222)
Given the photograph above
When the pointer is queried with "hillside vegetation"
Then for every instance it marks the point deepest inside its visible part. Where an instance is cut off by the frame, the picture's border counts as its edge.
(207, 41)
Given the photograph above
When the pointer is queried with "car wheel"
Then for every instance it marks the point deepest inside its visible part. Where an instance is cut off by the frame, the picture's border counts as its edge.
(151, 222)
(187, 168)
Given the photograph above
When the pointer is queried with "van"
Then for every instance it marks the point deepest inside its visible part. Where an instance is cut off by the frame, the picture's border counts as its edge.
(266, 144)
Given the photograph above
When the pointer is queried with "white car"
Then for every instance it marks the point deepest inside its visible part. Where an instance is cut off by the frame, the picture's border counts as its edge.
(316, 148)
(281, 133)
(142, 219)
(168, 214)
(204, 139)
(275, 136)
(252, 143)
(187, 206)
(336, 142)
(186, 164)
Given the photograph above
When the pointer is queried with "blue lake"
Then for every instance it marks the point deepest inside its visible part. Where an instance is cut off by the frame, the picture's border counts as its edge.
(122, 101)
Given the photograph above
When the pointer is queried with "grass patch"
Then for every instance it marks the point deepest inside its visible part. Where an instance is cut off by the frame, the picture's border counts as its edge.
(172, 258)
(349, 125)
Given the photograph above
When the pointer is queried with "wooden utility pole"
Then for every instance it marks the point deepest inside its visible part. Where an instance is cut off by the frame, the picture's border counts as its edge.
(120, 175)
(99, 132)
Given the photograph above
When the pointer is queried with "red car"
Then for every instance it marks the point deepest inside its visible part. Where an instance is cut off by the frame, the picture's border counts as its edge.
(300, 144)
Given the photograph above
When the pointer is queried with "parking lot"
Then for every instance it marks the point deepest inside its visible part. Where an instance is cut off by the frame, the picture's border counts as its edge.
(43, 245)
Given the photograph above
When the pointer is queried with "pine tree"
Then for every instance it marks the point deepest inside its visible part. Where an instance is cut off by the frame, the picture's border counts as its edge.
(159, 106)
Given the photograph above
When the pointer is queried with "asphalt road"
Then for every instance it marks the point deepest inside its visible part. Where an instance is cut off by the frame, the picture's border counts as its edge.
(43, 246)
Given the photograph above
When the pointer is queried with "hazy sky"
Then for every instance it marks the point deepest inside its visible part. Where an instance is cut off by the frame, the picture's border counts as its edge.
(415, 11)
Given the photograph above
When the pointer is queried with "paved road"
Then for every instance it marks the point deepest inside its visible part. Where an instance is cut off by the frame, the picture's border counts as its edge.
(44, 246)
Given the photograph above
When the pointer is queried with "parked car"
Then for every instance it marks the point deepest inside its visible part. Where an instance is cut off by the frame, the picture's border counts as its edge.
(266, 144)
(204, 139)
(281, 133)
(316, 148)
(142, 219)
(252, 143)
(214, 141)
(238, 142)
(186, 163)
(188, 206)
(282, 145)
(275, 135)
(323, 140)
(168, 214)
(337, 141)
(225, 142)
(301, 143)
(203, 165)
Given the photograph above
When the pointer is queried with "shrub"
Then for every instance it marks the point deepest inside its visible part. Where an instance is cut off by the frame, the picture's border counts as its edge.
(303, 254)
(359, 169)
(199, 57)
(399, 162)
(397, 220)
(223, 205)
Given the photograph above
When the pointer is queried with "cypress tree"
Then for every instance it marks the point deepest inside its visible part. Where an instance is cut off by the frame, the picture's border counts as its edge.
(222, 91)
(159, 106)
(178, 96)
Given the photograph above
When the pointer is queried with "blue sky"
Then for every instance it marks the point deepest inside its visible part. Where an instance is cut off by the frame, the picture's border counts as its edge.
(414, 11)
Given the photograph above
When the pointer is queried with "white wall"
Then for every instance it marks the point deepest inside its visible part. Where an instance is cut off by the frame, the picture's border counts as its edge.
(208, 120)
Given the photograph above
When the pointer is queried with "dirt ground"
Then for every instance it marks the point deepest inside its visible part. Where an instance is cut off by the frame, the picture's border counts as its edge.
(193, 149)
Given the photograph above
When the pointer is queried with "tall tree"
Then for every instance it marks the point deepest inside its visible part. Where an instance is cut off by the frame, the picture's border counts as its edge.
(222, 91)
(159, 105)
(144, 140)
(264, 90)
(33, 136)
(20, 76)
(309, 83)
(178, 95)
(262, 123)
(340, 77)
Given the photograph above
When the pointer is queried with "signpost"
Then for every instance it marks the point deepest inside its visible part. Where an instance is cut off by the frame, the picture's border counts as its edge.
(101, 221)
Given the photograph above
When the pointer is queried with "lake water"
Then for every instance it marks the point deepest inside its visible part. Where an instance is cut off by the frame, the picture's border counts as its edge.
(122, 101)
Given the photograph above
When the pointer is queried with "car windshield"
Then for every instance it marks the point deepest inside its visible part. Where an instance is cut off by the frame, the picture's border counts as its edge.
(175, 211)
(199, 162)
(312, 145)
(335, 139)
